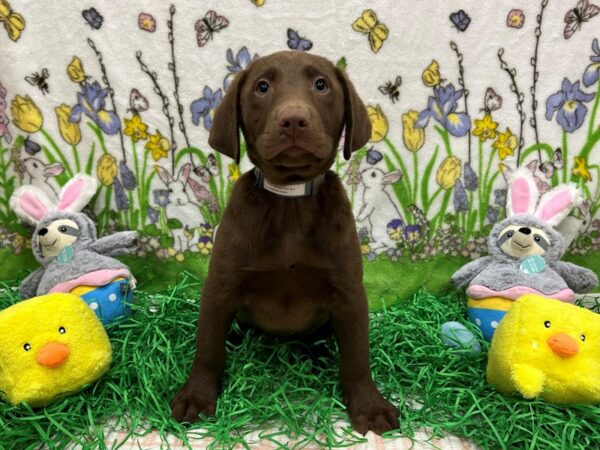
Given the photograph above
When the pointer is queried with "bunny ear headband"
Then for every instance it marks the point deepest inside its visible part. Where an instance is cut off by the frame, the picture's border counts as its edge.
(553, 206)
(31, 203)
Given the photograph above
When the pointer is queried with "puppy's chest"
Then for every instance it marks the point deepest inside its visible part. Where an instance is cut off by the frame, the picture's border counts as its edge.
(290, 251)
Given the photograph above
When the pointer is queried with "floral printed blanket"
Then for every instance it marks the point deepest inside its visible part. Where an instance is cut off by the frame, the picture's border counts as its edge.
(459, 95)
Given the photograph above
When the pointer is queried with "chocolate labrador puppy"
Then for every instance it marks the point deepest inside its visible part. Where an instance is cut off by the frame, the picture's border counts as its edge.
(287, 256)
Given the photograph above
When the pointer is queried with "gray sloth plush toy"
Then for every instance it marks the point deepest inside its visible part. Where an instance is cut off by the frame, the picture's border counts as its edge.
(524, 255)
(72, 258)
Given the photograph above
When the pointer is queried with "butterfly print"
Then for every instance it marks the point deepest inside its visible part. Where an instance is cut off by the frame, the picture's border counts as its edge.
(93, 18)
(574, 18)
(208, 26)
(295, 42)
(460, 19)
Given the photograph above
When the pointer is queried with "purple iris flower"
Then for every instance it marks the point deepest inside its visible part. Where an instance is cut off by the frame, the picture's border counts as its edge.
(492, 214)
(91, 101)
(592, 72)
(204, 106)
(442, 107)
(237, 64)
(569, 104)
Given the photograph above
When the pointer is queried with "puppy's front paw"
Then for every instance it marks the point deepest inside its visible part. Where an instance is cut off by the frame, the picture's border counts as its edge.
(368, 410)
(192, 400)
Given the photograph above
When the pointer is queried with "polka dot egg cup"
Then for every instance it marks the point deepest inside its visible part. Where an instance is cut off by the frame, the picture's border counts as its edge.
(109, 301)
(487, 313)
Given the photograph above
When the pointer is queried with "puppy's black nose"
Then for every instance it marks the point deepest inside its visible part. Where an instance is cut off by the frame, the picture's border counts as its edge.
(292, 121)
(525, 230)
(43, 231)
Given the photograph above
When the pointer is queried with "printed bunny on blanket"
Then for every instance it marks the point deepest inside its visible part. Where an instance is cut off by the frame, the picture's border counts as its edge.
(73, 259)
(376, 205)
(524, 254)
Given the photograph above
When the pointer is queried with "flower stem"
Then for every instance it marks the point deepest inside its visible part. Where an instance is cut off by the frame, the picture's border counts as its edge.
(59, 153)
(76, 157)
(594, 111)
(565, 156)
(415, 177)
(98, 132)
(445, 137)
(402, 166)
(140, 185)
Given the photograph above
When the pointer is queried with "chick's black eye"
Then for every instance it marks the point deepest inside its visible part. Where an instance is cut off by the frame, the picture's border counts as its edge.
(262, 87)
(582, 337)
(62, 229)
(62, 330)
(547, 324)
(320, 85)
(27, 347)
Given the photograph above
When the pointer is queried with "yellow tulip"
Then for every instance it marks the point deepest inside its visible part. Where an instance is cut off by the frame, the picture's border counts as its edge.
(414, 138)
(75, 70)
(106, 170)
(26, 115)
(379, 123)
(68, 130)
(448, 172)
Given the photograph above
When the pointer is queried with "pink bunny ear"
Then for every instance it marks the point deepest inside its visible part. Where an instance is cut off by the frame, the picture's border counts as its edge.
(556, 204)
(184, 172)
(31, 204)
(76, 194)
(522, 193)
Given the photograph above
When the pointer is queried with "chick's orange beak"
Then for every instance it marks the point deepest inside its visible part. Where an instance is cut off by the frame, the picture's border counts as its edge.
(53, 354)
(563, 345)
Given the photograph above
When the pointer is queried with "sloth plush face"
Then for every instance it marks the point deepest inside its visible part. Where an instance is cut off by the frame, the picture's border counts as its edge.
(56, 236)
(522, 241)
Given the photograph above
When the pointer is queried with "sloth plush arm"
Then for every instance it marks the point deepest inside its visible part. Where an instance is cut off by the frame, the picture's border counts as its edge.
(463, 276)
(29, 285)
(578, 278)
(116, 244)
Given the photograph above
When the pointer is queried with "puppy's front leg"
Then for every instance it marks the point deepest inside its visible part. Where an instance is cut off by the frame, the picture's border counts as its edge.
(367, 408)
(199, 394)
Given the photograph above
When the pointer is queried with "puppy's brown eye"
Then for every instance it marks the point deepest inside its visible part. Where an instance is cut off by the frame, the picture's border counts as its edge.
(320, 85)
(262, 87)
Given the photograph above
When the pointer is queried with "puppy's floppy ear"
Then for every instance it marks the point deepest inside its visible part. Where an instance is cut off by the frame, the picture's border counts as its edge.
(225, 130)
(356, 119)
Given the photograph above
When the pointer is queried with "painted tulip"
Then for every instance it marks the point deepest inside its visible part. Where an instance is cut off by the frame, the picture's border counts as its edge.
(75, 70)
(448, 172)
(106, 170)
(414, 138)
(68, 130)
(26, 115)
(379, 123)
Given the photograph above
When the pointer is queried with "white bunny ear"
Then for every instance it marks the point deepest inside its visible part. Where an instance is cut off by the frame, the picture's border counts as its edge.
(76, 194)
(522, 194)
(556, 204)
(31, 204)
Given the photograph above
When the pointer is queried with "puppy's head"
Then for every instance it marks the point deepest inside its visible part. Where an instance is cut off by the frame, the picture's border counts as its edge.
(291, 108)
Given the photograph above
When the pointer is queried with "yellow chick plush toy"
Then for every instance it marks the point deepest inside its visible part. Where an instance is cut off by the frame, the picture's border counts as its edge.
(50, 346)
(549, 349)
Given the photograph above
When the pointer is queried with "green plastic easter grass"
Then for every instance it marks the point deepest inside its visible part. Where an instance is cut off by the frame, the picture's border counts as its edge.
(273, 386)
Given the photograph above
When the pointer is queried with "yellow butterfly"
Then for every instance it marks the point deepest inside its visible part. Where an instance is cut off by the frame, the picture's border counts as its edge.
(258, 2)
(367, 23)
(431, 75)
(13, 22)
